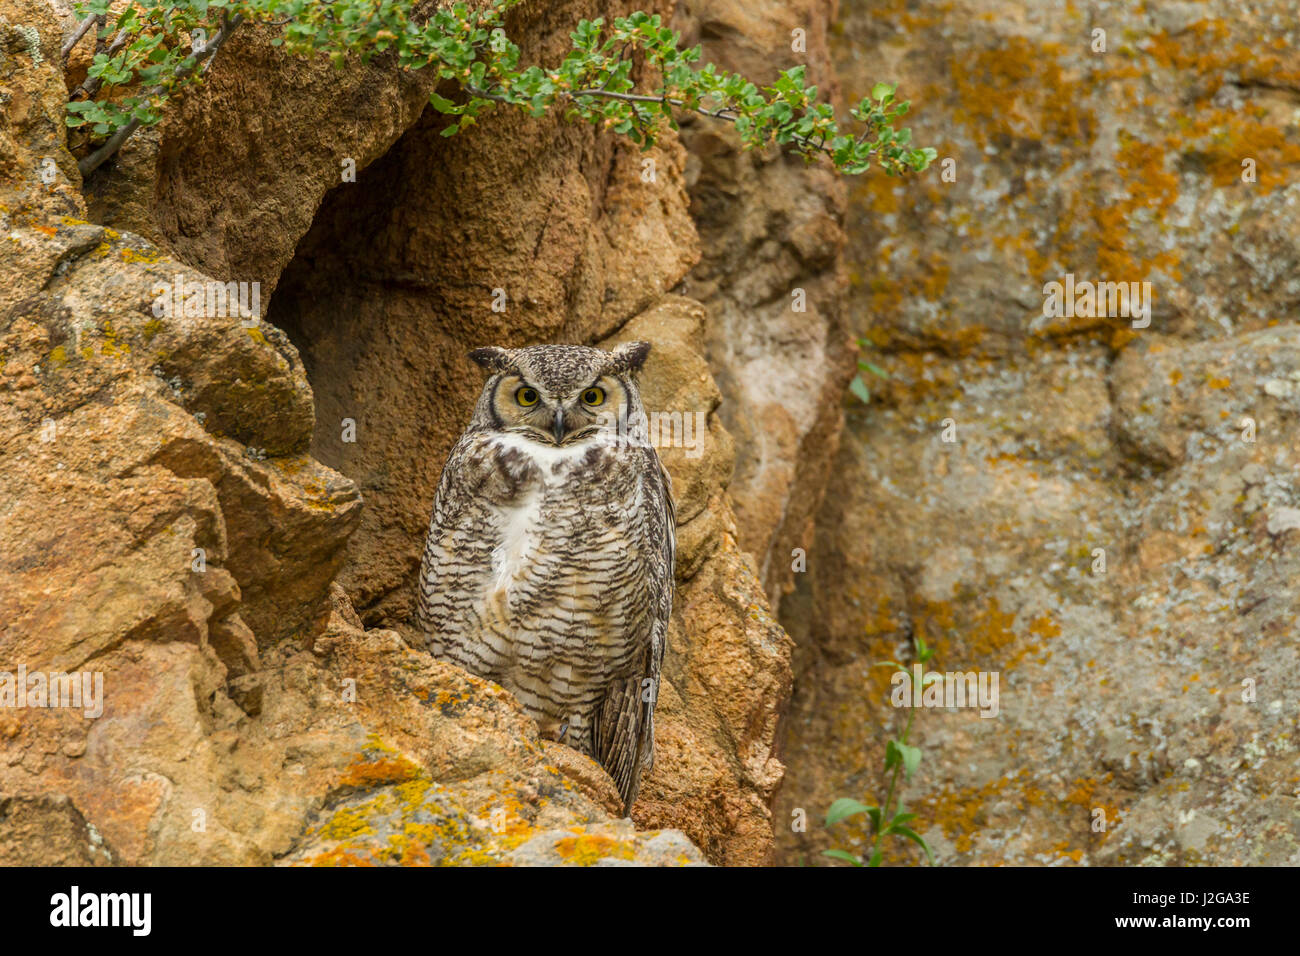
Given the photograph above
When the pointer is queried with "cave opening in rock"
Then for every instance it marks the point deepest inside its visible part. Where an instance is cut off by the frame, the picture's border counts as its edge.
(373, 300)
(397, 279)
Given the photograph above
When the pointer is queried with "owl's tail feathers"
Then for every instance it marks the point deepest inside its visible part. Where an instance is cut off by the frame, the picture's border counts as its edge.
(619, 737)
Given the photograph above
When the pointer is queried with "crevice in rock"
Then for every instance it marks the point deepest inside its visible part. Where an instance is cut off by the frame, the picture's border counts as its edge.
(409, 267)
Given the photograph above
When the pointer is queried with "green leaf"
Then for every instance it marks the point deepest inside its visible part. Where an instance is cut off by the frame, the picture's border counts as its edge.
(846, 807)
(875, 858)
(892, 755)
(915, 838)
(841, 855)
(859, 389)
(911, 759)
(881, 90)
(441, 103)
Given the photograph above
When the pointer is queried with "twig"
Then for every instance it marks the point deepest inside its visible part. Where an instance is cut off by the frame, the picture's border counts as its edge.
(91, 84)
(92, 162)
(804, 141)
(99, 34)
(720, 113)
(80, 32)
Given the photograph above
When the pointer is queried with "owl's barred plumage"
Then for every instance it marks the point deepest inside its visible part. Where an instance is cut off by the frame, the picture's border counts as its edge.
(548, 567)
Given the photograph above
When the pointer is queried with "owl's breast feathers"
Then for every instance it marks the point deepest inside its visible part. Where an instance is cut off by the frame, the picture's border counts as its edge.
(550, 571)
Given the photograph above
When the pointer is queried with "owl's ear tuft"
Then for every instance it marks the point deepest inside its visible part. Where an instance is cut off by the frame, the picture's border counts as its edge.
(629, 357)
(491, 357)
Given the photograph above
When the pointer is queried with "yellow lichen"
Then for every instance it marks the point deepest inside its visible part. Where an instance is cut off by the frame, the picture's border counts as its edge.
(588, 848)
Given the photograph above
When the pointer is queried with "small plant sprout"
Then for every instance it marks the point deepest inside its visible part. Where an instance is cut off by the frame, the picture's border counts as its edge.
(890, 818)
(858, 387)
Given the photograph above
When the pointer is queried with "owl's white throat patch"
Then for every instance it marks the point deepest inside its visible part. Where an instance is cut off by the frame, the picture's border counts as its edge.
(546, 457)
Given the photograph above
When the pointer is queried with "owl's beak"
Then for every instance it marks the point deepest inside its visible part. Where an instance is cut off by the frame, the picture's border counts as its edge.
(557, 426)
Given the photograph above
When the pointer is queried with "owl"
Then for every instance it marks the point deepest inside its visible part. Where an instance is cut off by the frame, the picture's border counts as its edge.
(548, 566)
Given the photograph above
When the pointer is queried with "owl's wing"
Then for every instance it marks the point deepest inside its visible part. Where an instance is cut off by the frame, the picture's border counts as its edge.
(624, 727)
(457, 548)
(617, 743)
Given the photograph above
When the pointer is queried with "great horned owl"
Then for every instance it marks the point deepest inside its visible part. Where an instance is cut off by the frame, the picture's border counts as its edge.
(549, 562)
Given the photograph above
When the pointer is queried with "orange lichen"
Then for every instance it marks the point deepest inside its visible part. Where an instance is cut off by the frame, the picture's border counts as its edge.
(1062, 849)
(982, 636)
(588, 848)
(1019, 89)
(374, 773)
(378, 765)
(341, 856)
(959, 813)
(925, 277)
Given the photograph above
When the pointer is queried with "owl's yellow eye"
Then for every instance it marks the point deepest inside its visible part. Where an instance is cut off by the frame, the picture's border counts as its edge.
(526, 396)
(593, 396)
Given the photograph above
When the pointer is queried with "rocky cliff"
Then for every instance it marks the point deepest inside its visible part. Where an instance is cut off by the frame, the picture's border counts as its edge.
(222, 517)
(1113, 527)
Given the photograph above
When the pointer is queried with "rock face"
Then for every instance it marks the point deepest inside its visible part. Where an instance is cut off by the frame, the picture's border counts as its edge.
(772, 278)
(1113, 529)
(183, 514)
(39, 175)
(726, 675)
(220, 518)
(231, 179)
(444, 245)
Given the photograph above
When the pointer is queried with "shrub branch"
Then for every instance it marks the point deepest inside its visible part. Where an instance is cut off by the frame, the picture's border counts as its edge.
(152, 51)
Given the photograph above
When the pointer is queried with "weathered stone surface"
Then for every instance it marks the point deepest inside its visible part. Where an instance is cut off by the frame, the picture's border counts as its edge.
(231, 179)
(349, 733)
(1122, 691)
(39, 174)
(772, 279)
(145, 436)
(54, 825)
(421, 824)
(170, 519)
(727, 669)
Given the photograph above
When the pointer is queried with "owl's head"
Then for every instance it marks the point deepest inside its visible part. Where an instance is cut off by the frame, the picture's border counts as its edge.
(560, 394)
